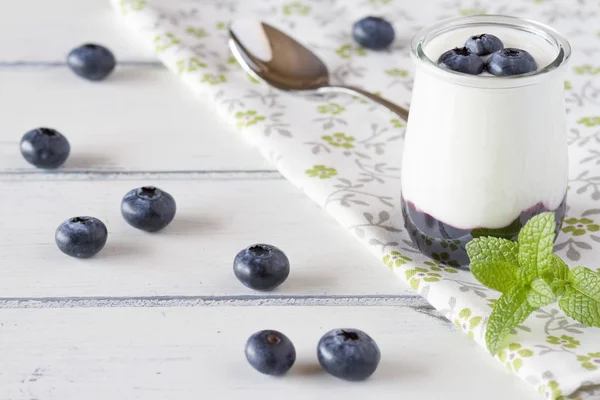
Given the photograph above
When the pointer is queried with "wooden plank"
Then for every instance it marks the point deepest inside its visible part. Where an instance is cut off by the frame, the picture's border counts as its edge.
(191, 353)
(142, 120)
(193, 256)
(48, 30)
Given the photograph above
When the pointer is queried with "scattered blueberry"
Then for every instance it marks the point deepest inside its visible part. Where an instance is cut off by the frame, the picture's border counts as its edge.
(91, 61)
(373, 33)
(45, 148)
(462, 60)
(261, 267)
(508, 62)
(348, 354)
(148, 208)
(81, 237)
(484, 44)
(270, 352)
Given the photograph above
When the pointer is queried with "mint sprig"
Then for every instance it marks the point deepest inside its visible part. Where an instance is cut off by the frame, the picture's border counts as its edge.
(530, 276)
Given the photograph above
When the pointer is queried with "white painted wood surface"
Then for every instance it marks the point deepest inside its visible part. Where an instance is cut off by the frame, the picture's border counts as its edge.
(142, 119)
(161, 316)
(194, 255)
(38, 31)
(197, 353)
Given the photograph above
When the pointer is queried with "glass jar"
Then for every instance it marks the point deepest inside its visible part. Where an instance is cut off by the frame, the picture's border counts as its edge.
(483, 154)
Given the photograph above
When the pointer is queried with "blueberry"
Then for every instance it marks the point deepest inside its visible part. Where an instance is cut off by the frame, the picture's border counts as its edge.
(348, 354)
(91, 61)
(148, 208)
(270, 352)
(261, 267)
(81, 237)
(462, 60)
(484, 44)
(45, 148)
(509, 62)
(373, 33)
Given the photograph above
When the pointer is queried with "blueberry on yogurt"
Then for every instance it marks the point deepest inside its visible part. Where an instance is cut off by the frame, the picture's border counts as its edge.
(484, 44)
(460, 59)
(510, 61)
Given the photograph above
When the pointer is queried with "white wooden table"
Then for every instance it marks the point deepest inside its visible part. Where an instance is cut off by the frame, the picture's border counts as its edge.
(162, 316)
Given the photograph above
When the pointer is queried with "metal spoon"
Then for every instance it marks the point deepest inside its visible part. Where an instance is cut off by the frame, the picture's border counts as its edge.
(270, 55)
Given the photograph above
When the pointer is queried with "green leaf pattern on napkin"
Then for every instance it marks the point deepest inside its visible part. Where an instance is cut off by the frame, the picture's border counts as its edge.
(513, 355)
(345, 153)
(467, 322)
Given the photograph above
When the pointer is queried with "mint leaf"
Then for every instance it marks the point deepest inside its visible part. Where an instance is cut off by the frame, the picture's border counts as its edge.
(561, 274)
(509, 311)
(536, 242)
(497, 275)
(494, 262)
(559, 268)
(493, 249)
(581, 300)
(540, 293)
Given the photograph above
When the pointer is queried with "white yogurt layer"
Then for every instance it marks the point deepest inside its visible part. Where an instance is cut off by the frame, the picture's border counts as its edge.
(479, 156)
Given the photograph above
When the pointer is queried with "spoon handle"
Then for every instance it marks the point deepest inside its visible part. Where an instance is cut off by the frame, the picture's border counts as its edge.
(396, 109)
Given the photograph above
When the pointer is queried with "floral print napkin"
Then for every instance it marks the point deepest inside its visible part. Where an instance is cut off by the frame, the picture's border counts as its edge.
(345, 153)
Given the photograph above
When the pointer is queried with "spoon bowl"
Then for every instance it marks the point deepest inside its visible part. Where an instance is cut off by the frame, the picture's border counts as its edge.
(291, 66)
(271, 56)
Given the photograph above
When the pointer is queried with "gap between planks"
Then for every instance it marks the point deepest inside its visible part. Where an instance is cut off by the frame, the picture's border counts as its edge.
(412, 301)
(63, 64)
(89, 175)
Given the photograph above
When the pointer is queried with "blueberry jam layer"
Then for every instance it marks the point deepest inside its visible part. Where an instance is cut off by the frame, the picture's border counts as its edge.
(446, 244)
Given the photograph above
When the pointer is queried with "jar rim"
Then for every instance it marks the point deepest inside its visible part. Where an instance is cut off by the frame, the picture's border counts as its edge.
(560, 43)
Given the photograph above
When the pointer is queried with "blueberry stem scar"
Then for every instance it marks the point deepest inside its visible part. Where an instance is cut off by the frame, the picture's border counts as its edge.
(81, 220)
(273, 339)
(259, 250)
(48, 131)
(349, 335)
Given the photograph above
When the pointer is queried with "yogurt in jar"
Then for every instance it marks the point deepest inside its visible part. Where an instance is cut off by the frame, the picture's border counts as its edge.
(483, 154)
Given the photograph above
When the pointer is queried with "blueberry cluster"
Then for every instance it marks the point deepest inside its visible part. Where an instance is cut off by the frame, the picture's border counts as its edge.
(147, 208)
(501, 61)
(47, 148)
(348, 354)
